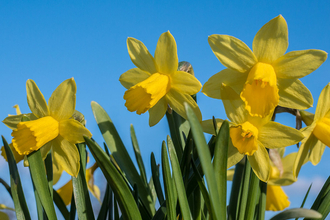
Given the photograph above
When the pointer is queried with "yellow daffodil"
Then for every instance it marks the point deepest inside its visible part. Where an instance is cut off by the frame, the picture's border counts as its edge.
(251, 136)
(66, 190)
(51, 127)
(276, 199)
(317, 132)
(4, 216)
(265, 77)
(156, 83)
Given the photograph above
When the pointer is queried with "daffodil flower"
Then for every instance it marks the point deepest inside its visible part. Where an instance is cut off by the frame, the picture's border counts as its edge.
(317, 132)
(51, 127)
(156, 83)
(4, 216)
(265, 77)
(251, 136)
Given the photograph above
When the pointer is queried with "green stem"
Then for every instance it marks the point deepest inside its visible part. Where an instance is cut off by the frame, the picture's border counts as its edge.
(252, 197)
(235, 188)
(244, 190)
(262, 201)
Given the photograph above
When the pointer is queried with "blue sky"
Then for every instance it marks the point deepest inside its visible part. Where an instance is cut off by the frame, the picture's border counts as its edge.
(53, 41)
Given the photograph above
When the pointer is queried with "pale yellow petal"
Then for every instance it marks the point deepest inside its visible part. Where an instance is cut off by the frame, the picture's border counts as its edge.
(232, 52)
(323, 104)
(73, 131)
(294, 94)
(67, 155)
(235, 110)
(166, 55)
(185, 83)
(157, 112)
(63, 100)
(65, 192)
(45, 149)
(260, 163)
(176, 101)
(57, 171)
(36, 100)
(233, 155)
(133, 77)
(230, 174)
(275, 135)
(208, 126)
(140, 55)
(13, 120)
(271, 41)
(216, 86)
(297, 64)
(276, 199)
(317, 152)
(307, 117)
(287, 177)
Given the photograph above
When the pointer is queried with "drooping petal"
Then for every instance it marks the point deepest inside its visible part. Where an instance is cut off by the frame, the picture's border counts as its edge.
(271, 41)
(316, 152)
(94, 189)
(233, 155)
(297, 64)
(13, 120)
(133, 77)
(146, 94)
(65, 192)
(17, 156)
(63, 100)
(307, 117)
(32, 135)
(275, 135)
(276, 199)
(36, 100)
(260, 93)
(232, 52)
(57, 171)
(216, 86)
(185, 83)
(235, 110)
(140, 55)
(45, 149)
(73, 131)
(287, 177)
(67, 155)
(260, 163)
(323, 104)
(294, 94)
(157, 112)
(208, 126)
(176, 100)
(166, 55)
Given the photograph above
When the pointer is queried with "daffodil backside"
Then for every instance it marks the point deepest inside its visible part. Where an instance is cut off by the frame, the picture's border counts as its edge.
(157, 83)
(265, 77)
(53, 127)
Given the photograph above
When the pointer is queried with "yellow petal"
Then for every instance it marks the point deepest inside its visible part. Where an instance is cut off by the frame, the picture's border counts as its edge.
(294, 94)
(260, 163)
(275, 135)
(140, 55)
(276, 199)
(297, 64)
(176, 101)
(208, 126)
(90, 182)
(146, 94)
(65, 192)
(166, 55)
(157, 112)
(32, 135)
(323, 104)
(36, 100)
(233, 155)
(217, 86)
(260, 92)
(17, 156)
(287, 177)
(57, 171)
(185, 83)
(67, 155)
(235, 110)
(133, 77)
(232, 52)
(73, 131)
(307, 117)
(322, 130)
(271, 41)
(4, 216)
(317, 152)
(13, 120)
(244, 138)
(63, 100)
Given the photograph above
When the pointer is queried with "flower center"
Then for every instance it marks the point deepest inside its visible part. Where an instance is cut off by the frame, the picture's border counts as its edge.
(146, 94)
(260, 92)
(244, 138)
(32, 135)
(322, 131)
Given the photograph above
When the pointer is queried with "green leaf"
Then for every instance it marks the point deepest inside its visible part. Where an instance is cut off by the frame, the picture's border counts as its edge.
(40, 181)
(121, 155)
(307, 193)
(105, 204)
(181, 191)
(297, 213)
(205, 159)
(80, 189)
(22, 211)
(244, 190)
(168, 185)
(220, 166)
(155, 177)
(122, 193)
(253, 195)
(234, 193)
(60, 205)
(6, 186)
(138, 155)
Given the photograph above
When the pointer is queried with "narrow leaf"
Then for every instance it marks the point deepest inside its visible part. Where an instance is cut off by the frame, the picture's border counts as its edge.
(60, 205)
(297, 213)
(155, 177)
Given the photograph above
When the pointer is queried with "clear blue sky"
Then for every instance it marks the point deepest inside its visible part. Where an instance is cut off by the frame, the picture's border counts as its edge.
(52, 41)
